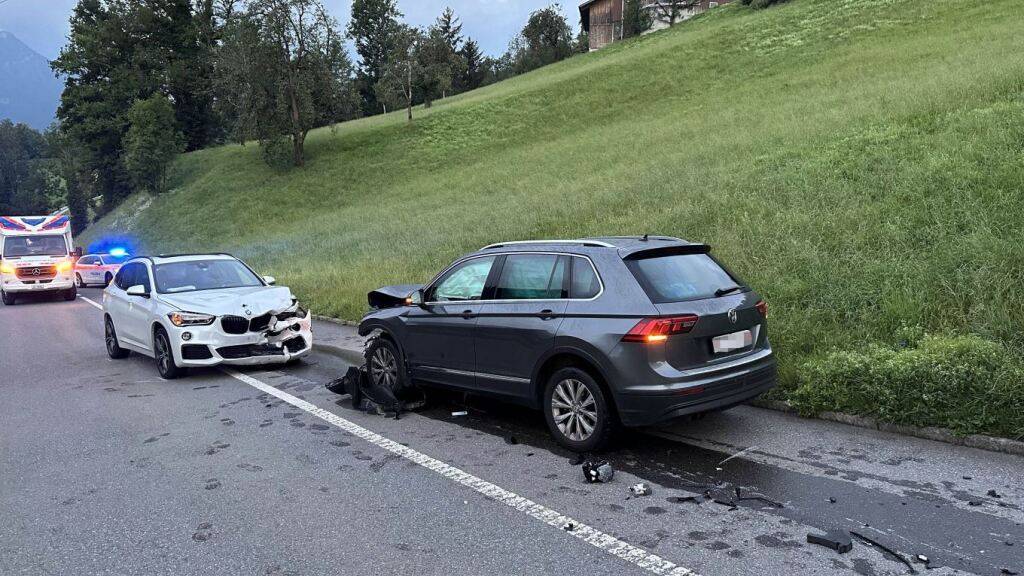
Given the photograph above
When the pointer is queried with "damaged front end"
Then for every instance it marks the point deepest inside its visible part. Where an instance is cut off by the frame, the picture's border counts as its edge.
(392, 296)
(276, 336)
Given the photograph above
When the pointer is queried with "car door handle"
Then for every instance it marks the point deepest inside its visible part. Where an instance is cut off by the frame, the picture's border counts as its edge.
(468, 314)
(546, 314)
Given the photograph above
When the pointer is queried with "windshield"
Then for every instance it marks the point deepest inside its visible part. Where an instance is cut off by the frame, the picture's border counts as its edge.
(680, 277)
(203, 275)
(111, 259)
(51, 245)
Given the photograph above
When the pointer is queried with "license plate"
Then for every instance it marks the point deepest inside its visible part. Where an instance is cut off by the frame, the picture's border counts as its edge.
(731, 342)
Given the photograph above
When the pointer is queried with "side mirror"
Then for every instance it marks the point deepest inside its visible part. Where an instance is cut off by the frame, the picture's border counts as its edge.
(138, 290)
(270, 280)
(416, 298)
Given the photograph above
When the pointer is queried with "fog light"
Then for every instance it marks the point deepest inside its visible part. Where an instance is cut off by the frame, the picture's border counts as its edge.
(186, 336)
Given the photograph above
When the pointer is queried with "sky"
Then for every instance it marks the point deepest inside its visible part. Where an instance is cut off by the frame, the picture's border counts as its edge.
(43, 24)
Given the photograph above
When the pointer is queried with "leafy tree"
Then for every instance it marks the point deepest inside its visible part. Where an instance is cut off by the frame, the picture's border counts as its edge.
(373, 29)
(291, 73)
(546, 39)
(474, 67)
(582, 43)
(450, 28)
(636, 19)
(760, 3)
(671, 11)
(152, 142)
(438, 65)
(397, 84)
(22, 150)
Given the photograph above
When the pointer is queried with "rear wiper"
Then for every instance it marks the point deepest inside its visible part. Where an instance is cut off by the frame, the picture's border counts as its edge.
(724, 291)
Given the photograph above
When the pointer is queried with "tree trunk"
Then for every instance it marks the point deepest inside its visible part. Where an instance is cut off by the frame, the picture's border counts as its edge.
(298, 150)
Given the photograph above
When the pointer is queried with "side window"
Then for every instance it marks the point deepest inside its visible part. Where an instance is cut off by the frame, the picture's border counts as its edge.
(464, 282)
(585, 283)
(98, 261)
(87, 260)
(123, 278)
(532, 277)
(142, 277)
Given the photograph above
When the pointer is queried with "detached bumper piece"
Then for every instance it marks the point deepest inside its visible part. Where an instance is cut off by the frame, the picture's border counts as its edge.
(292, 345)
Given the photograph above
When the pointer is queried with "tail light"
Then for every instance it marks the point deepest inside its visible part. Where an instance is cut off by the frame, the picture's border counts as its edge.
(659, 329)
(762, 307)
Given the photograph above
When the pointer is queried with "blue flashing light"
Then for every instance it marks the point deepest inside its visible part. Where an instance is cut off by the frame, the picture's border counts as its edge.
(118, 252)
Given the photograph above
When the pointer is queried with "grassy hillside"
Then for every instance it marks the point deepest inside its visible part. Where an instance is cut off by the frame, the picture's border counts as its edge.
(860, 162)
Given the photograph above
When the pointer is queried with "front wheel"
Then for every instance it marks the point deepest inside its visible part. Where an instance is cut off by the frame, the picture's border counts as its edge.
(8, 299)
(70, 294)
(78, 281)
(165, 364)
(383, 362)
(577, 412)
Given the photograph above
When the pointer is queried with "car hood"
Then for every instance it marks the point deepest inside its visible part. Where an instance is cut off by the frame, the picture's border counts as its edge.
(258, 300)
(391, 296)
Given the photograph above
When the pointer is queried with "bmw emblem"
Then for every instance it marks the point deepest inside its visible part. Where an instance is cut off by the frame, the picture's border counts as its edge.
(733, 316)
(247, 311)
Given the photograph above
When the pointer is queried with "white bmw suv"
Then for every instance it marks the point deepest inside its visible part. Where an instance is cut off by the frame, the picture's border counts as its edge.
(202, 310)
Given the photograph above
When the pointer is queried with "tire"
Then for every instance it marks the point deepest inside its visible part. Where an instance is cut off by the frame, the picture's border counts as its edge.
(78, 281)
(385, 365)
(70, 294)
(107, 279)
(574, 402)
(8, 299)
(114, 349)
(165, 364)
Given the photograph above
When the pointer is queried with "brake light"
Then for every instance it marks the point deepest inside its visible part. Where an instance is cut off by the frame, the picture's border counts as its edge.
(659, 329)
(762, 307)
(6, 268)
(64, 266)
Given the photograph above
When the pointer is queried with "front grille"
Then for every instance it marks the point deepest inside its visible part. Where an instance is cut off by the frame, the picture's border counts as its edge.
(259, 323)
(196, 352)
(234, 324)
(36, 272)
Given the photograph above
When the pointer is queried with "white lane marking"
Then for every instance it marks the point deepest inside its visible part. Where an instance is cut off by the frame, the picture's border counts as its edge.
(606, 542)
(98, 306)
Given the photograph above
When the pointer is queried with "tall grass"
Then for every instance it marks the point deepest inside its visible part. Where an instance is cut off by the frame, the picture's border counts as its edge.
(860, 162)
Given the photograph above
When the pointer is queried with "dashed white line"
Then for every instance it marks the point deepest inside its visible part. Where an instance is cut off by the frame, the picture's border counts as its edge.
(600, 540)
(97, 305)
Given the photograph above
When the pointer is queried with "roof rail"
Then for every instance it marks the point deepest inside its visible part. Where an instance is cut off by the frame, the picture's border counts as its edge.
(591, 243)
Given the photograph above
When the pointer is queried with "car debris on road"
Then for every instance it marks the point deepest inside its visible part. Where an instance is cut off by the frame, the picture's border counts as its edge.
(595, 472)
(838, 541)
(640, 489)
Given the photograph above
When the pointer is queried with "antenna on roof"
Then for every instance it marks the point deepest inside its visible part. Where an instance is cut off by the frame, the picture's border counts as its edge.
(644, 239)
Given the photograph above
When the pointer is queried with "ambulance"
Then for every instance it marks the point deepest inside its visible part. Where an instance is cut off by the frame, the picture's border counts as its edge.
(37, 254)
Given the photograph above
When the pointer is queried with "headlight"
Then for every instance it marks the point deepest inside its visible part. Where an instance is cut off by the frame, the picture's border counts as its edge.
(300, 310)
(64, 266)
(190, 319)
(6, 268)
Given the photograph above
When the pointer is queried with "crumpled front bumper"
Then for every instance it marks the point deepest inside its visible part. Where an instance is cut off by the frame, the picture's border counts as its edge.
(209, 345)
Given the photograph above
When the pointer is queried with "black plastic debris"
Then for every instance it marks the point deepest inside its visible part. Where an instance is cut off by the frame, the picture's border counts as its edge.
(640, 489)
(594, 472)
(569, 527)
(974, 502)
(730, 503)
(512, 440)
(993, 494)
(681, 499)
(967, 477)
(838, 541)
(888, 551)
(831, 500)
(1007, 572)
(374, 399)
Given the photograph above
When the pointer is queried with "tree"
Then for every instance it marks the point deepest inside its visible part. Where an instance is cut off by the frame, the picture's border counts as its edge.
(474, 67)
(292, 73)
(77, 186)
(545, 39)
(671, 11)
(450, 28)
(22, 150)
(152, 142)
(636, 18)
(373, 29)
(398, 82)
(438, 65)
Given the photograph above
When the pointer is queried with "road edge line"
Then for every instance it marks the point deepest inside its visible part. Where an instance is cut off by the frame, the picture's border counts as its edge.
(94, 304)
(606, 542)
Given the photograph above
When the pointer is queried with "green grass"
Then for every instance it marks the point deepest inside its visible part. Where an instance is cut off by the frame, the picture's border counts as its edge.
(859, 162)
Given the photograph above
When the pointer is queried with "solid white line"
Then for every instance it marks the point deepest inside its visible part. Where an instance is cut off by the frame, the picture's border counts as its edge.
(98, 306)
(606, 542)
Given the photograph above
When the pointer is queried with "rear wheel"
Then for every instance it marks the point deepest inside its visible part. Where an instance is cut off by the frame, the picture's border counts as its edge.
(8, 299)
(78, 281)
(114, 350)
(165, 364)
(70, 294)
(577, 412)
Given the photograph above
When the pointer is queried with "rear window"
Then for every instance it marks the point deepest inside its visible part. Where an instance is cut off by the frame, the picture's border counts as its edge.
(680, 277)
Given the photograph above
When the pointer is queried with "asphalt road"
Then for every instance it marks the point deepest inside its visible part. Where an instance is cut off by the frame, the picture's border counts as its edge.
(106, 469)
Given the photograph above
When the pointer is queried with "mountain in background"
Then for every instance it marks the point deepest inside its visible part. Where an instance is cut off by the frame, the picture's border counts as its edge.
(29, 92)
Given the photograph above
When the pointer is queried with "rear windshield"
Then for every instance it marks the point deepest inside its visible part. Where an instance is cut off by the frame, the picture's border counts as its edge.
(50, 245)
(680, 277)
(194, 275)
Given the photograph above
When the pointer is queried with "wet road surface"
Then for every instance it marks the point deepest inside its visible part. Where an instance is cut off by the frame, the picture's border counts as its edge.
(106, 469)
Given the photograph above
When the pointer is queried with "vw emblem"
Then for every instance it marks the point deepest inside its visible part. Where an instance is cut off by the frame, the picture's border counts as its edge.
(35, 272)
(733, 316)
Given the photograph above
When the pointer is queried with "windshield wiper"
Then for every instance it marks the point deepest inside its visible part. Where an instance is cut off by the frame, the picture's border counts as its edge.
(723, 291)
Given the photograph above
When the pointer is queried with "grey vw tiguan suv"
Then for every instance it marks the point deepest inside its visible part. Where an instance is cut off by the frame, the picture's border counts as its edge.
(595, 332)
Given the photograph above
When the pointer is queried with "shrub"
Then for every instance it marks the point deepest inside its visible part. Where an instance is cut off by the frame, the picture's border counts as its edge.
(964, 383)
(760, 3)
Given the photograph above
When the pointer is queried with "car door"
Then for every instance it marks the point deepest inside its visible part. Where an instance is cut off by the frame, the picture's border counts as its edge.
(115, 303)
(439, 341)
(99, 271)
(84, 268)
(139, 310)
(519, 325)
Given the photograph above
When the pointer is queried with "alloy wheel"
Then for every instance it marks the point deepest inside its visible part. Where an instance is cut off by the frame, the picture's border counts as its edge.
(108, 336)
(574, 409)
(384, 368)
(163, 354)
